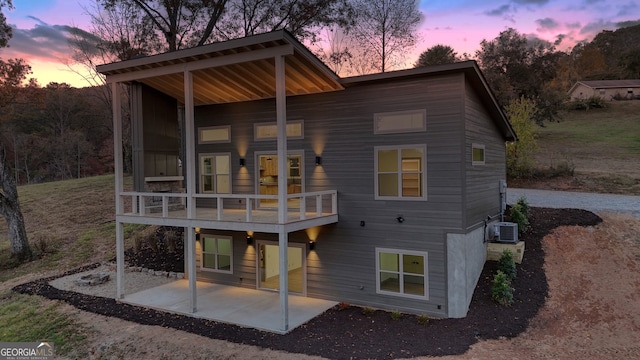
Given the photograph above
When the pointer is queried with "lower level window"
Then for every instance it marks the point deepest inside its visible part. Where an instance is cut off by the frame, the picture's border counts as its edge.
(402, 273)
(216, 253)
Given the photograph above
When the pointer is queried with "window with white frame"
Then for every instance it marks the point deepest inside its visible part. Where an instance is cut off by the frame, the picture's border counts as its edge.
(477, 154)
(215, 173)
(269, 131)
(402, 273)
(214, 134)
(400, 122)
(400, 172)
(217, 254)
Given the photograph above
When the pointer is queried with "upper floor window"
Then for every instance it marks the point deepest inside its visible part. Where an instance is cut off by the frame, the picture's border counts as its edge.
(400, 172)
(269, 131)
(214, 134)
(215, 173)
(400, 122)
(477, 154)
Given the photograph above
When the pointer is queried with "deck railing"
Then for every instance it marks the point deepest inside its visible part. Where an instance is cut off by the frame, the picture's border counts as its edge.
(300, 206)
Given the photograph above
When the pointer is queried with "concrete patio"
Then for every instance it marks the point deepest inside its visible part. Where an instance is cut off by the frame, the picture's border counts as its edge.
(234, 305)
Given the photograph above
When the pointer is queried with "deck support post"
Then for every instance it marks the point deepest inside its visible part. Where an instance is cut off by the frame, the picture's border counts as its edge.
(281, 121)
(119, 179)
(283, 247)
(190, 150)
(190, 240)
(119, 260)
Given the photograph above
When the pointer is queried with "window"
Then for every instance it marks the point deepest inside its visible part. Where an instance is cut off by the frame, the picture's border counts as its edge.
(217, 253)
(400, 172)
(477, 154)
(214, 134)
(269, 131)
(402, 273)
(215, 173)
(400, 122)
(603, 91)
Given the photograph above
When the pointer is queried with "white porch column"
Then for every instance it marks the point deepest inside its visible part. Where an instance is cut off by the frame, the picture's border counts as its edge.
(118, 170)
(281, 117)
(190, 164)
(283, 247)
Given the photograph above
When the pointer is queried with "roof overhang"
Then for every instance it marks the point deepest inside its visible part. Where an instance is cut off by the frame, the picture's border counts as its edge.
(472, 74)
(231, 71)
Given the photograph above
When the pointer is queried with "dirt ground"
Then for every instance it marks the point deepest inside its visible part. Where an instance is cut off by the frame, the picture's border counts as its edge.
(592, 311)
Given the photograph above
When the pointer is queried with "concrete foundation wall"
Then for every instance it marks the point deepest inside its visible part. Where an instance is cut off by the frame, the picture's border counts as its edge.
(466, 254)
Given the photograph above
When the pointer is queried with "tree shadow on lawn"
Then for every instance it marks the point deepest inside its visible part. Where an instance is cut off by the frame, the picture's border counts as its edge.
(349, 333)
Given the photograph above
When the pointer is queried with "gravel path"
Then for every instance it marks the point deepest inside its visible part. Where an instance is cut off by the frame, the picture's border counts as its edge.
(597, 203)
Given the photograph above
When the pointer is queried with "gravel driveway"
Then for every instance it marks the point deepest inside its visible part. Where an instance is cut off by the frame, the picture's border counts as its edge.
(597, 203)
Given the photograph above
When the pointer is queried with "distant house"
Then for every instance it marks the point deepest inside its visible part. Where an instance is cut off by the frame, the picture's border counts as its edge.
(605, 89)
(375, 190)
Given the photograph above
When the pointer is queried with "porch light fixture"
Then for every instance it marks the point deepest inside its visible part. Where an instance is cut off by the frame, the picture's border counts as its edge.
(242, 162)
(249, 240)
(318, 160)
(312, 245)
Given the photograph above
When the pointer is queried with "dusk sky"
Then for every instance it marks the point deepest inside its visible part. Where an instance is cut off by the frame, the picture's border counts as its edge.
(41, 27)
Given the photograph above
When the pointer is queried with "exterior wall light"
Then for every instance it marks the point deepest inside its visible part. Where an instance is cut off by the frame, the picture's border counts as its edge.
(318, 160)
(312, 245)
(249, 240)
(242, 162)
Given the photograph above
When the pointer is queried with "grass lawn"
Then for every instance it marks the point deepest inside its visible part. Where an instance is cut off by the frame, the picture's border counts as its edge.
(601, 145)
(69, 224)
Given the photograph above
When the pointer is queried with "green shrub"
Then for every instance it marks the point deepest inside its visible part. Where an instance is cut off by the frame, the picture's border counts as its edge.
(517, 216)
(423, 319)
(524, 206)
(507, 265)
(594, 102)
(396, 315)
(368, 311)
(501, 291)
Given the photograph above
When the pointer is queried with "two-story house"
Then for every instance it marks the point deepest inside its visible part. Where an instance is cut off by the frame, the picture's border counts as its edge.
(375, 190)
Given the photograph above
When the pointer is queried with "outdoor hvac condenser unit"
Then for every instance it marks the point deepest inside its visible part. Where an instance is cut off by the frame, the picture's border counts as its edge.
(505, 232)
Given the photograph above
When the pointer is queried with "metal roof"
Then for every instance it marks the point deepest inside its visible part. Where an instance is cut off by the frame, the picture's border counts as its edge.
(230, 71)
(601, 84)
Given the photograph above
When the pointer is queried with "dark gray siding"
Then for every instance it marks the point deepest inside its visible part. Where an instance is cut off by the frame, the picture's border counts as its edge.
(482, 197)
(156, 140)
(339, 127)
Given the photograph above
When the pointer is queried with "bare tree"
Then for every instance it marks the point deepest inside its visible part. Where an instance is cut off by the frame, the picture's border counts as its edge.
(180, 23)
(335, 49)
(385, 30)
(302, 18)
(12, 73)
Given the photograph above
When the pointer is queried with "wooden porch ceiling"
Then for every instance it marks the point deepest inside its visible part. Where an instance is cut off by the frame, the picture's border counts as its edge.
(231, 71)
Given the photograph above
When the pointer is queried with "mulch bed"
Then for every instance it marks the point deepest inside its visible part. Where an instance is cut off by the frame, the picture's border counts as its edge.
(349, 333)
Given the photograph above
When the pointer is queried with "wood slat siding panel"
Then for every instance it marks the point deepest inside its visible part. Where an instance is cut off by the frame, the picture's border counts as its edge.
(339, 127)
(482, 181)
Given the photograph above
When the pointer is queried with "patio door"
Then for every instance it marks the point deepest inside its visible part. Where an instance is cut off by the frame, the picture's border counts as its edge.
(268, 177)
(268, 267)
